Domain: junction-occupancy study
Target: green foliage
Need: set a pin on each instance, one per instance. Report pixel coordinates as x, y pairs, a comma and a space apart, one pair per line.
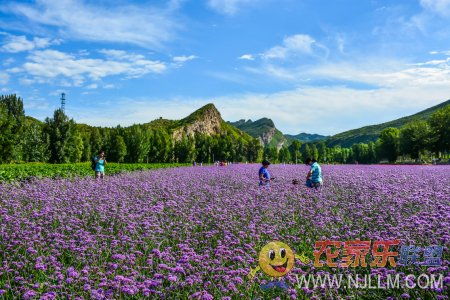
271, 154
118, 149
185, 149
137, 140
305, 150
389, 144
284, 155
294, 149
322, 152
12, 119
370, 133
75, 146
13, 172
7, 138
440, 130
254, 151
35, 142
415, 138
65, 144
96, 141
364, 153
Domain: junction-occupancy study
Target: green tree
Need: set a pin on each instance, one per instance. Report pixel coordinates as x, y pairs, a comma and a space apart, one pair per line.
184, 149
271, 154
294, 149
415, 138
360, 153
74, 146
306, 152
322, 152
314, 151
12, 121
59, 130
440, 129
35, 143
372, 153
389, 144
87, 152
96, 141
284, 155
118, 149
254, 151
7, 137
137, 141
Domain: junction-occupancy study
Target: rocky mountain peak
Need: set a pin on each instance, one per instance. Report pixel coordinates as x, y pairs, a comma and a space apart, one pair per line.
206, 120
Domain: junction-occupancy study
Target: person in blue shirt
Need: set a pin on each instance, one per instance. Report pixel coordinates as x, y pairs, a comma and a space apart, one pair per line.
314, 176
100, 162
264, 175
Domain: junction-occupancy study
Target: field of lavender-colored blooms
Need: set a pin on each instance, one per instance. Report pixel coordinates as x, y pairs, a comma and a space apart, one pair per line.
194, 232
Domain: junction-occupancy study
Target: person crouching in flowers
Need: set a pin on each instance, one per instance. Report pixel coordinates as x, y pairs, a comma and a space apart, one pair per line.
314, 176
264, 175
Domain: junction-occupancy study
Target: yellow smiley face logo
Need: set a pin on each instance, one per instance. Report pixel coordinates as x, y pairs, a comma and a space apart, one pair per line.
276, 259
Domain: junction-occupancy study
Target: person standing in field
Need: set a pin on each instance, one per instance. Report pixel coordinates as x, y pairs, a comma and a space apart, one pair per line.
314, 176
100, 162
264, 175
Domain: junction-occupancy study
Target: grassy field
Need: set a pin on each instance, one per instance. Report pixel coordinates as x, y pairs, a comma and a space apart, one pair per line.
13, 172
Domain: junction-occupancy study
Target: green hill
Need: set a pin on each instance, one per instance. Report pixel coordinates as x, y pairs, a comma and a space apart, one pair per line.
370, 133
263, 129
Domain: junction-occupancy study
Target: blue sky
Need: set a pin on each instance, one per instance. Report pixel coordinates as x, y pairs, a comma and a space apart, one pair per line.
316, 66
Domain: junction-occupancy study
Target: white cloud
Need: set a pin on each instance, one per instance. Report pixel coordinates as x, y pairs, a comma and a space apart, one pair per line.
141, 25
447, 53
92, 86
323, 110
229, 7
121, 55
389, 74
294, 45
247, 57
4, 78
440, 7
183, 58
109, 86
19, 43
8, 61
50, 64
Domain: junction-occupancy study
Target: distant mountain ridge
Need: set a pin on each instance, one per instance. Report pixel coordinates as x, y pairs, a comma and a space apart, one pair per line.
306, 137
263, 129
370, 133
207, 120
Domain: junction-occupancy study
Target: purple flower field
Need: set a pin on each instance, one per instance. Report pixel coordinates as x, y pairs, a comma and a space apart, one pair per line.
194, 232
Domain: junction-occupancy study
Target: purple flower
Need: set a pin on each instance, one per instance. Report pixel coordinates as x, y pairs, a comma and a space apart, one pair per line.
118, 256
29, 294
155, 234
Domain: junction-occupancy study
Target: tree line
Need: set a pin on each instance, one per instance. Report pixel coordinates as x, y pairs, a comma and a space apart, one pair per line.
60, 140
417, 140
